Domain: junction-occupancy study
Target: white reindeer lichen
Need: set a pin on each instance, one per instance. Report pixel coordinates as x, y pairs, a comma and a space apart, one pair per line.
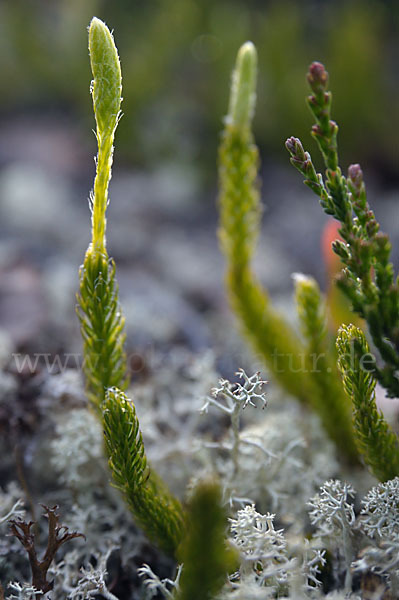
334, 518
380, 512
232, 399
263, 549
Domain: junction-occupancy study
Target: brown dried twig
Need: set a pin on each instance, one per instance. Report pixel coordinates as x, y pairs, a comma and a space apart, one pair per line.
57, 535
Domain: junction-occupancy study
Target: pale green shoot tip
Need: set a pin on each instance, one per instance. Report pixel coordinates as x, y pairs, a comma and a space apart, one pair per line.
106, 90
305, 287
107, 79
243, 89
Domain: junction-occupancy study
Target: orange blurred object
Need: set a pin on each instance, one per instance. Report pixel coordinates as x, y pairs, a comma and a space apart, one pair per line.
338, 306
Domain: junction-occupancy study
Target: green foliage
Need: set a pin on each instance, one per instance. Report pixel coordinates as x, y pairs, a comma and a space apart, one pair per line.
107, 82
106, 90
204, 552
102, 327
368, 277
102, 324
329, 399
242, 97
376, 441
306, 371
240, 211
311, 311
156, 510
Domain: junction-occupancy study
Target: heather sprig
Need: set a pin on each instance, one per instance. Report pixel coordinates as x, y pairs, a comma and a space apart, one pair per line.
376, 440
102, 323
368, 277
156, 510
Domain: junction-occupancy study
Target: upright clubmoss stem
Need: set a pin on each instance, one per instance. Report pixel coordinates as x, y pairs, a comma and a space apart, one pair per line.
102, 323
106, 90
243, 91
99, 198
271, 335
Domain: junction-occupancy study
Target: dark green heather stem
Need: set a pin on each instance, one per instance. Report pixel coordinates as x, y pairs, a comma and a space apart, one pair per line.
368, 278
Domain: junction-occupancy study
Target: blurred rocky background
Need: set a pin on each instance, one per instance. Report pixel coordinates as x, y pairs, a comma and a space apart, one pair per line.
176, 59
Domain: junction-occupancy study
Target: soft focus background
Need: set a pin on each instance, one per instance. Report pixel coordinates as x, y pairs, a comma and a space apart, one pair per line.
176, 59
